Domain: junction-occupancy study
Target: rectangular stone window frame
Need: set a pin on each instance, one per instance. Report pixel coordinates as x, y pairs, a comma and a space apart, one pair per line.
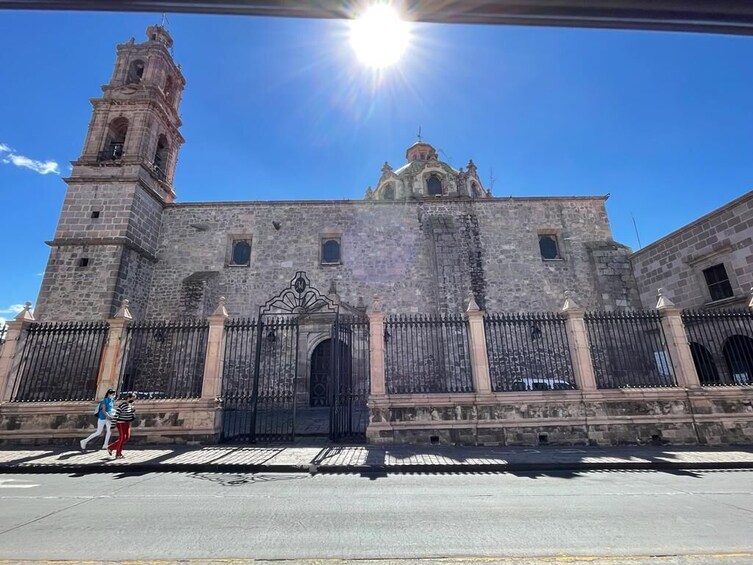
722, 286
721, 256
555, 233
231, 239
337, 236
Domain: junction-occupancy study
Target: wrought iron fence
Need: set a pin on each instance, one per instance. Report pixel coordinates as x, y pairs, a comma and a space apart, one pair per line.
60, 361
349, 413
528, 351
426, 354
263, 408
165, 359
238, 360
628, 350
274, 393
721, 342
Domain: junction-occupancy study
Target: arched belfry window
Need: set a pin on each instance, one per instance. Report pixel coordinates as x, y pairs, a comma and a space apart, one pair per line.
388, 192
115, 140
434, 186
135, 72
160, 156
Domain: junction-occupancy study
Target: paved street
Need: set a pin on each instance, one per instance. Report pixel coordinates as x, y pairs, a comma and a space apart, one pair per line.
624, 517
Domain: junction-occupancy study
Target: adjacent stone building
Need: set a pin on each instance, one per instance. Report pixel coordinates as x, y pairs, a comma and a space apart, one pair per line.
707, 263
425, 238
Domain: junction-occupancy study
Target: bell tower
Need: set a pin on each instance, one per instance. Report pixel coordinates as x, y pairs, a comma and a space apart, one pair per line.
105, 244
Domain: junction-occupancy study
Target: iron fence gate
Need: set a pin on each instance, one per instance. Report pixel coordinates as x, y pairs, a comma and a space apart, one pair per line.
260, 371
349, 380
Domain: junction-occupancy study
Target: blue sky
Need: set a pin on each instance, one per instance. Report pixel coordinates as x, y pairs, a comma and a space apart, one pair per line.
279, 109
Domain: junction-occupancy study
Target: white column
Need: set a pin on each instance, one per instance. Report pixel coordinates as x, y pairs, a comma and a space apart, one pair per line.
211, 386
376, 350
577, 337
482, 383
13, 348
677, 342
114, 353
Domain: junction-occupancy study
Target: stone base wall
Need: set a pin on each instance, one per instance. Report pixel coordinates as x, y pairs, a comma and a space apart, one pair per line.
158, 421
609, 417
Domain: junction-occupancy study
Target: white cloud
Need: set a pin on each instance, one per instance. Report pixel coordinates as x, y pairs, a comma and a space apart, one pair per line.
13, 309
9, 157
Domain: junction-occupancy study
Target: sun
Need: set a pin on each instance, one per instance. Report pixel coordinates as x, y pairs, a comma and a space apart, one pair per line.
379, 37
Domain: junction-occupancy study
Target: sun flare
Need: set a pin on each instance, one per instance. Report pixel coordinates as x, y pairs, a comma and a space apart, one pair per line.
379, 37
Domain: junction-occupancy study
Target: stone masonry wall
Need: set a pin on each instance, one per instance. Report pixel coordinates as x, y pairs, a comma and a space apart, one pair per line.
120, 245
416, 256
676, 262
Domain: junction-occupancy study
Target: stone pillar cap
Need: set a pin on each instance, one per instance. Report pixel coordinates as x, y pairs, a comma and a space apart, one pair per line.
25, 315
472, 304
123, 312
569, 304
375, 307
662, 302
221, 309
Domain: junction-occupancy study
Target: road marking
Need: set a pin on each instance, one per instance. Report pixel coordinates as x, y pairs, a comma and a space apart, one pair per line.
4, 483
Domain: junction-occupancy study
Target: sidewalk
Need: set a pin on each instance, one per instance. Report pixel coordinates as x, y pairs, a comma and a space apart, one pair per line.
373, 459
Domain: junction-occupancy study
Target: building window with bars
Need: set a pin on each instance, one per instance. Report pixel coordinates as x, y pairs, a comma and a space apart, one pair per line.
548, 247
330, 251
240, 255
717, 282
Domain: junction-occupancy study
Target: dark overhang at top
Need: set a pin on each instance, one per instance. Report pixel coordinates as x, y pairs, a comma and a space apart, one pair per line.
707, 16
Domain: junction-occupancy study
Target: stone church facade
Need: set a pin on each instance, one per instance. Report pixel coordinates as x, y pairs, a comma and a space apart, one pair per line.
429, 311
423, 240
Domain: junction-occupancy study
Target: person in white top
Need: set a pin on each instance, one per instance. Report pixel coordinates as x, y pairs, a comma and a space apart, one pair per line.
104, 420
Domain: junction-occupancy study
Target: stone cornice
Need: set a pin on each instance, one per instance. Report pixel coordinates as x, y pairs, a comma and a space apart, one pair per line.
95, 241
403, 203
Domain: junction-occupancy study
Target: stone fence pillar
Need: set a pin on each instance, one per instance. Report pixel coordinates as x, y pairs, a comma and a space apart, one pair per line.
677, 342
577, 337
211, 386
114, 351
14, 344
376, 350
482, 383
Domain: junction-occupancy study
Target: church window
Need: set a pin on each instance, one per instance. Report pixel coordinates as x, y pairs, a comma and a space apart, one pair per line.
135, 72
330, 251
83, 262
169, 90
389, 192
434, 186
241, 253
718, 283
115, 140
548, 246
160, 157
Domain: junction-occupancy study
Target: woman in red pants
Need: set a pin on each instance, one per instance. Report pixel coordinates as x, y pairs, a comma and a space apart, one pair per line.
124, 415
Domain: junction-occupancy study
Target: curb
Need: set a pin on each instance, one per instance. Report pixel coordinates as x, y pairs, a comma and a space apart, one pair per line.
97, 468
